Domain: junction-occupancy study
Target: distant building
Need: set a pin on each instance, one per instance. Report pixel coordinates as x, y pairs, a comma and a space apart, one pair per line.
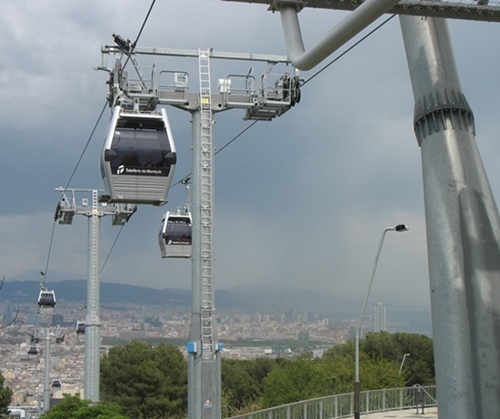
379, 318
278, 352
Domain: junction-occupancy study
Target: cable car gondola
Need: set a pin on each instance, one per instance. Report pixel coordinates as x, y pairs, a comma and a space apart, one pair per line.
33, 350
138, 158
175, 235
46, 301
80, 328
56, 383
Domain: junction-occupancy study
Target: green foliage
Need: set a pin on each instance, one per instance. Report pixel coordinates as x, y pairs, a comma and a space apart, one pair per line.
378, 374
418, 367
381, 345
243, 382
72, 407
338, 370
239, 387
147, 382
303, 378
5, 397
380, 359
300, 379
344, 351
151, 382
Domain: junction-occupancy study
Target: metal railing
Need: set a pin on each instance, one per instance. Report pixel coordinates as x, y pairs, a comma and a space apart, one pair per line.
342, 405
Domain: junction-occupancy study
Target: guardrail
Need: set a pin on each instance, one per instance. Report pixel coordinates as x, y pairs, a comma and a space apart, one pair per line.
342, 405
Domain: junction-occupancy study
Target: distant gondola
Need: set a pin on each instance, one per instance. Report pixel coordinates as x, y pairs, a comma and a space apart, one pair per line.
56, 383
46, 301
80, 328
138, 158
175, 235
33, 350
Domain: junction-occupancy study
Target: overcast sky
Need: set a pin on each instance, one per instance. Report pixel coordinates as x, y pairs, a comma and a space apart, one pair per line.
300, 201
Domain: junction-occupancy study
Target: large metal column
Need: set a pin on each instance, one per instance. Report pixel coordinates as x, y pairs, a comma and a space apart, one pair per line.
92, 320
194, 359
203, 355
204, 375
462, 229
65, 211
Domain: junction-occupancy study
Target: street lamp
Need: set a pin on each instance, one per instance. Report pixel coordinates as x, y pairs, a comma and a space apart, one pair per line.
398, 228
403, 362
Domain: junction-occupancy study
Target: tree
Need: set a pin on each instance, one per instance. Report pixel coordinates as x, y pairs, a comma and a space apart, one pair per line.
381, 345
238, 386
243, 381
5, 397
380, 356
374, 372
146, 381
379, 373
418, 367
338, 369
72, 407
300, 379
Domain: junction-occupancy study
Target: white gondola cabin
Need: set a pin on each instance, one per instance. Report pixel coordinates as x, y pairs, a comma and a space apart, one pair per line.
175, 236
46, 301
56, 383
138, 158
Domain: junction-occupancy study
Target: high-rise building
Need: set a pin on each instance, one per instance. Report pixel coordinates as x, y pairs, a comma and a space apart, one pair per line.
379, 318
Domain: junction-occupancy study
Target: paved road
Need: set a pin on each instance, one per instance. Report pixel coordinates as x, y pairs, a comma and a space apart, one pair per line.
431, 413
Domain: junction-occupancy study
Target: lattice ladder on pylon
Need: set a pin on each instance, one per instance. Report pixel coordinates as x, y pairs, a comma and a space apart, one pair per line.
207, 292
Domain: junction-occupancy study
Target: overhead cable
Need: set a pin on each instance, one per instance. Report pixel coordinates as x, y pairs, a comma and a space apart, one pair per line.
92, 134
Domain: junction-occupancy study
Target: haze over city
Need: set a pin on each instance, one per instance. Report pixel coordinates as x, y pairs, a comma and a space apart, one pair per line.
300, 201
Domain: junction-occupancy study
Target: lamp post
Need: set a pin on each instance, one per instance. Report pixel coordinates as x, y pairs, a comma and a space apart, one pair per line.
403, 362
398, 228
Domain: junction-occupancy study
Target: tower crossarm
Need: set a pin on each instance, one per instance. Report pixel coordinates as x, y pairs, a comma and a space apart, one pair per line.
481, 10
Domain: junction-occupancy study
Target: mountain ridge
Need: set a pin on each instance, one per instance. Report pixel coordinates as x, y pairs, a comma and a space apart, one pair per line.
249, 298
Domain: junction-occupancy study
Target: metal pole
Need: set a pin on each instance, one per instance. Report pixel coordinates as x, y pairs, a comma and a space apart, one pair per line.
39, 405
67, 208
366, 13
357, 384
46, 376
204, 373
92, 320
462, 229
194, 358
